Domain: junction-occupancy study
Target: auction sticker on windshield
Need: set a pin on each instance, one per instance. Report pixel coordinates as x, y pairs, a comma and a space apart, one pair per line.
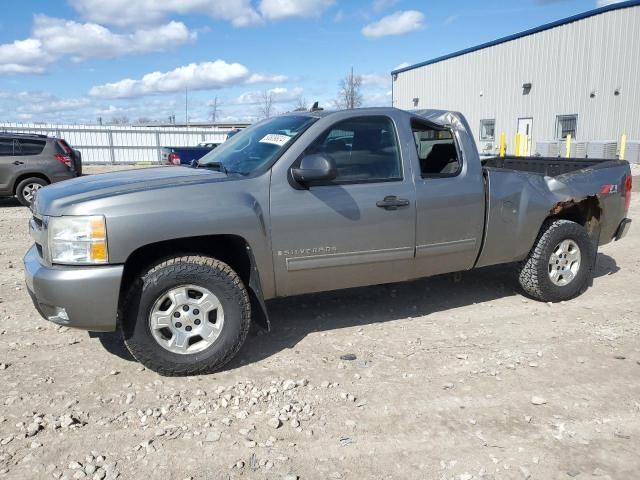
275, 139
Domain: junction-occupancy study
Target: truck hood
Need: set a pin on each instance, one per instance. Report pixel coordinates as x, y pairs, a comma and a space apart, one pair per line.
54, 199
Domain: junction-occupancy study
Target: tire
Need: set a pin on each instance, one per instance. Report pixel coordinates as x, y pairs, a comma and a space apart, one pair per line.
166, 282
27, 187
534, 272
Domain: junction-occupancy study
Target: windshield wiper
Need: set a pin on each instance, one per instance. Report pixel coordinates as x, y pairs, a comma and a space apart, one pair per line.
217, 165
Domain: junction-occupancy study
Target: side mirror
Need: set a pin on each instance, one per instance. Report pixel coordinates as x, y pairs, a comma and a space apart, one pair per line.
315, 168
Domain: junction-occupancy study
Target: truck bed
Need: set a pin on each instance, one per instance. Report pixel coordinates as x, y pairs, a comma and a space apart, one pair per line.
523, 191
548, 166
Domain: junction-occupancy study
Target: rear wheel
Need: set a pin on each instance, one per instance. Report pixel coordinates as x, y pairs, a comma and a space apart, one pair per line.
27, 188
560, 265
189, 316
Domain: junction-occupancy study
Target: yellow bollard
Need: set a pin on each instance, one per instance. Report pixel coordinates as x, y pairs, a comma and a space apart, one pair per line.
568, 146
502, 141
525, 148
517, 144
623, 146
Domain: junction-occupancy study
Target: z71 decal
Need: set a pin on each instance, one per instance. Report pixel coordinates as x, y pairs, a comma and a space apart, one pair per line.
609, 189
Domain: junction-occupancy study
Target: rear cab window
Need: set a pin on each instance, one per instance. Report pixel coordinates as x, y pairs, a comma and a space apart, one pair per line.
436, 150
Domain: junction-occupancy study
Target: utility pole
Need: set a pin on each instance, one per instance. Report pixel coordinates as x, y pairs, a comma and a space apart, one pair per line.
186, 106
214, 110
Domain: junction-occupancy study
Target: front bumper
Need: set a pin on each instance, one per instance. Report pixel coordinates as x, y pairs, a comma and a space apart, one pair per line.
623, 229
78, 297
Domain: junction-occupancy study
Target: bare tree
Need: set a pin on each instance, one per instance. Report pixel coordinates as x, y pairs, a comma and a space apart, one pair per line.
301, 104
265, 105
144, 121
349, 93
121, 120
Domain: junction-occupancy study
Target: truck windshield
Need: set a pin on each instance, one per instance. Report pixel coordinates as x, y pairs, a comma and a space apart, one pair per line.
256, 146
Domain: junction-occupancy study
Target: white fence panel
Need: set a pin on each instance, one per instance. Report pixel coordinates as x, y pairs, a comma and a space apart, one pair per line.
122, 144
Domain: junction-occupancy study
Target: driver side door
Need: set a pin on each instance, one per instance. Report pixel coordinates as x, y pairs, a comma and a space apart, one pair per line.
344, 233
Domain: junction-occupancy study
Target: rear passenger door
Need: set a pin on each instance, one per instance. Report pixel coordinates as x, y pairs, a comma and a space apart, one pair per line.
10, 164
347, 232
450, 202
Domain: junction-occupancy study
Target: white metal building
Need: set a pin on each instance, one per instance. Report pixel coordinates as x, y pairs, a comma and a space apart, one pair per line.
578, 76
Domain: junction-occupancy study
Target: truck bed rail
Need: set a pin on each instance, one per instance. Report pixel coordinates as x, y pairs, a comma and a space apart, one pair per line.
549, 166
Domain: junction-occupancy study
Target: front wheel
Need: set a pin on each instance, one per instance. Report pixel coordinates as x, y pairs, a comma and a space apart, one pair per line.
560, 265
189, 316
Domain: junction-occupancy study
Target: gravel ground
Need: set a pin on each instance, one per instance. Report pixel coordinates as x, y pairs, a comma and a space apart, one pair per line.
455, 377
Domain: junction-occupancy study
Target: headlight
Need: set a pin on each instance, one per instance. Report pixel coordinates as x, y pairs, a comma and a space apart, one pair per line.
81, 240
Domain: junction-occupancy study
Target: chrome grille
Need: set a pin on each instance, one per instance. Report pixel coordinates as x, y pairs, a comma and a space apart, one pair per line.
38, 232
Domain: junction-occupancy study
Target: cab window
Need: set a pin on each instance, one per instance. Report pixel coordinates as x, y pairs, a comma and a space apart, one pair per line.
364, 149
436, 150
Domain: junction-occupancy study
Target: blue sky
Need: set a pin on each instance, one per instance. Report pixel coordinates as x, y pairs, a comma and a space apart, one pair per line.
77, 60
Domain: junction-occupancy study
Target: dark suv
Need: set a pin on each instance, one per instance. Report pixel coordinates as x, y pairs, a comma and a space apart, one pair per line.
28, 162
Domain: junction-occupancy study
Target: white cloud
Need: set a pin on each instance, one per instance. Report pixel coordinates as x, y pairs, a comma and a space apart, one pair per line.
54, 38
277, 9
397, 23
110, 110
401, 65
604, 3
377, 79
280, 95
52, 104
376, 99
379, 5
195, 76
85, 40
23, 56
28, 103
144, 12
266, 78
42, 106
241, 13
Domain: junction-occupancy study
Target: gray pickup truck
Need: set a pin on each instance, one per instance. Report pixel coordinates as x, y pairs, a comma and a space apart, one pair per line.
182, 260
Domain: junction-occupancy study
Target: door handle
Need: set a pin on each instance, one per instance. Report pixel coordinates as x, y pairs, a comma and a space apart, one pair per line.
18, 162
392, 202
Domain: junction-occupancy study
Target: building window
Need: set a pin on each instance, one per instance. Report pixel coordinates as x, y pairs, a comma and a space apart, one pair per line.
567, 125
487, 129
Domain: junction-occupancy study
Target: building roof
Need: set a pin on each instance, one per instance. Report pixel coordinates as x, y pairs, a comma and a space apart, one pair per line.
541, 28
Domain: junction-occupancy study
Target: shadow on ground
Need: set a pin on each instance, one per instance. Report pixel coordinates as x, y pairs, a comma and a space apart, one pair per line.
292, 319
9, 202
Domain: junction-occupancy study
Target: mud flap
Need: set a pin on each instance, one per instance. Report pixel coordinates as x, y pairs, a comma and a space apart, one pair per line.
259, 312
